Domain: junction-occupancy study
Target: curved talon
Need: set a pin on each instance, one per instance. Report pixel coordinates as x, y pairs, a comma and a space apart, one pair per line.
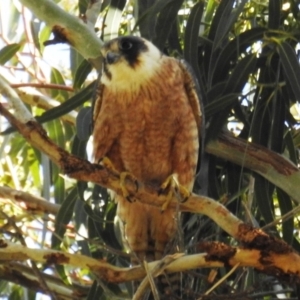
125, 192
107, 163
183, 192
171, 185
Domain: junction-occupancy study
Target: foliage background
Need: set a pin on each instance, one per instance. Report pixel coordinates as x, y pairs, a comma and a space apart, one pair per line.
245, 56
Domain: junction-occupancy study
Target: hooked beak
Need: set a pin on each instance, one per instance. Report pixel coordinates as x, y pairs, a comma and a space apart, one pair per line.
112, 57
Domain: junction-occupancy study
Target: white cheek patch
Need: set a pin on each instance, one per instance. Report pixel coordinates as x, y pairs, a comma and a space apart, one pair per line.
124, 76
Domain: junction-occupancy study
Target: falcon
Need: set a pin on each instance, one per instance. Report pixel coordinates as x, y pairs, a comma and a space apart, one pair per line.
147, 121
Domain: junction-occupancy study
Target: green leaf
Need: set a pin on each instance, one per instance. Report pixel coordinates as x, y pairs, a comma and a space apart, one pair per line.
81, 73
7, 52
151, 13
286, 206
291, 147
56, 133
165, 21
174, 42
16, 294
263, 195
13, 18
79, 149
290, 64
225, 16
222, 12
34, 165
230, 53
147, 26
191, 37
58, 111
274, 13
209, 11
234, 85
95, 291
35, 27
84, 123
229, 15
108, 234
120, 4
113, 19
220, 103
57, 78
44, 35
64, 108
82, 6
69, 105
277, 122
76, 60
240, 74
63, 218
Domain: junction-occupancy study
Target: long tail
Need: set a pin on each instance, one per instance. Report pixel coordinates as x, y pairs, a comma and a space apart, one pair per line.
149, 234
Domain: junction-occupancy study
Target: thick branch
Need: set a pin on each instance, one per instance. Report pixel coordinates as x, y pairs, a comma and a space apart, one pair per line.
35, 98
272, 166
78, 34
33, 203
23, 275
83, 170
284, 263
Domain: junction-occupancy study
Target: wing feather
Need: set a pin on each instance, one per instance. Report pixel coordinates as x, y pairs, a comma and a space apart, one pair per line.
193, 93
194, 97
98, 101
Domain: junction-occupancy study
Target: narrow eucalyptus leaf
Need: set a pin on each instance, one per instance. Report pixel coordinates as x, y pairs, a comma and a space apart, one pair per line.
230, 53
240, 74
84, 123
63, 218
274, 13
263, 194
152, 12
191, 37
291, 147
95, 291
7, 52
286, 206
220, 103
165, 21
81, 73
290, 64
57, 78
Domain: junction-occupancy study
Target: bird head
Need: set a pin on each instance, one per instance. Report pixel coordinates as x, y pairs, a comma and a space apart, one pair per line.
129, 61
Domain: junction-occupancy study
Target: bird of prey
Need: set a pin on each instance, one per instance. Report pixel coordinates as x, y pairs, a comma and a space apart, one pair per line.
147, 121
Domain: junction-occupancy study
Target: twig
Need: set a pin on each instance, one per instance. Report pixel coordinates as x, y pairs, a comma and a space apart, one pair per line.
43, 86
221, 280
36, 270
279, 253
32, 202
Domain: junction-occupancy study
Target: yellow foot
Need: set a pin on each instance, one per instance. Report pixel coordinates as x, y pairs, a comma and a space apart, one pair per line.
107, 163
123, 177
172, 185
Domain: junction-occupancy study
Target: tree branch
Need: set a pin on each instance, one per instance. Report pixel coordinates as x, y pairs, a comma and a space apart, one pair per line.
285, 265
23, 275
272, 166
81, 169
75, 32
32, 202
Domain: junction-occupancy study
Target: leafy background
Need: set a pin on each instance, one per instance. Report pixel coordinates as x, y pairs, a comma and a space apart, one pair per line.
245, 55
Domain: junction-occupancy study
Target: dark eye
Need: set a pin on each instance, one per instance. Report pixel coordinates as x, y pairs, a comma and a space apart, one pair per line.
125, 45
